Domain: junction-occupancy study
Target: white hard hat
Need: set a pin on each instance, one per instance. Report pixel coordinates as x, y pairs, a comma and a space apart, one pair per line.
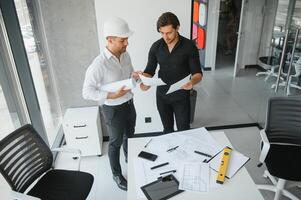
116, 27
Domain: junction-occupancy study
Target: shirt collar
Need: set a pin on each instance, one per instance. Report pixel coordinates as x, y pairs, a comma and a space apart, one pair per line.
176, 45
109, 55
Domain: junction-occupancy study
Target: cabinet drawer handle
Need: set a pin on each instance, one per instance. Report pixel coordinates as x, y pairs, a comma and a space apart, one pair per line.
79, 138
80, 126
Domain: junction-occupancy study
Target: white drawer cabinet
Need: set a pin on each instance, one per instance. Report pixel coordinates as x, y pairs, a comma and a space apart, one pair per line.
82, 129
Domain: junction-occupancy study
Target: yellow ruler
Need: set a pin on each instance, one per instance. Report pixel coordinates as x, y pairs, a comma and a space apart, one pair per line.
224, 165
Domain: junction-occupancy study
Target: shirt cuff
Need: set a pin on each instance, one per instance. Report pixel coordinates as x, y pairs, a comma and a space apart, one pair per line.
102, 97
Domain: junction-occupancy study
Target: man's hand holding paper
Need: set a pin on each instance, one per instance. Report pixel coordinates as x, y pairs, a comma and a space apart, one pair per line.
179, 85
114, 95
187, 86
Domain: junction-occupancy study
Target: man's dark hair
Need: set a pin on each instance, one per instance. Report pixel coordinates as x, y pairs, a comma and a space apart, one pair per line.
166, 19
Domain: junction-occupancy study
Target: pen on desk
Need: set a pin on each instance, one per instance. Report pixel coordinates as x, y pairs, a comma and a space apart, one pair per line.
148, 143
203, 154
171, 171
172, 149
161, 165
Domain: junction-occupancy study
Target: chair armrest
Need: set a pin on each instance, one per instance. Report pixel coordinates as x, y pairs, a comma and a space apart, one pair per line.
70, 150
265, 146
20, 196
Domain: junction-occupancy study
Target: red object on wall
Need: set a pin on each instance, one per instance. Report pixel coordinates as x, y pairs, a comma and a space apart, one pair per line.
196, 12
200, 42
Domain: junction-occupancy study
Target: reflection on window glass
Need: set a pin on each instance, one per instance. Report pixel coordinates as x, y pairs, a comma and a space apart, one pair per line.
41, 72
281, 15
8, 115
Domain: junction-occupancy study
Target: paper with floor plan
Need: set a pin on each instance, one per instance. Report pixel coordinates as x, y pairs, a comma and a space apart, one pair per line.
115, 86
178, 85
151, 81
194, 177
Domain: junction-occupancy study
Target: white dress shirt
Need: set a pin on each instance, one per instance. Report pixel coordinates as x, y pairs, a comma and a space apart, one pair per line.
106, 68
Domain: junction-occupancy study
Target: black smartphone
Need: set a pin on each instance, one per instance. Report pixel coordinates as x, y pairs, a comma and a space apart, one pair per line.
147, 155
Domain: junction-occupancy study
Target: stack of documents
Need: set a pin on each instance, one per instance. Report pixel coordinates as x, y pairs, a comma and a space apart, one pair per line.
194, 171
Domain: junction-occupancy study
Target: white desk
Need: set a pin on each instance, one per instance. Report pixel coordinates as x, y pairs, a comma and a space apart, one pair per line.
241, 186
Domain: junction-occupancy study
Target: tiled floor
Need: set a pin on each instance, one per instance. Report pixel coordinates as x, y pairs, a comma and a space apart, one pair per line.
224, 100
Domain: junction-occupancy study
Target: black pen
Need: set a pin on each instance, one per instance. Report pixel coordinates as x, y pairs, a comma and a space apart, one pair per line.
171, 171
172, 149
147, 143
203, 154
161, 165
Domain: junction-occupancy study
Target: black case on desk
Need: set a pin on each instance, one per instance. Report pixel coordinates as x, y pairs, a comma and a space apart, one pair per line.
164, 187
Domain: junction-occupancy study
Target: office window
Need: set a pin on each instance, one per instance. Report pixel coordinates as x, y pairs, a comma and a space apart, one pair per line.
13, 112
44, 83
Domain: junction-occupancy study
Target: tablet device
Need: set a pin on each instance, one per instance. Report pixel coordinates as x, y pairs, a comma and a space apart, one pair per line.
162, 189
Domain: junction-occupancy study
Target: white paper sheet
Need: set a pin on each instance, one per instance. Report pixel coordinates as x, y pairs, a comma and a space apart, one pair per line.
188, 142
115, 86
194, 177
177, 86
237, 161
151, 81
144, 175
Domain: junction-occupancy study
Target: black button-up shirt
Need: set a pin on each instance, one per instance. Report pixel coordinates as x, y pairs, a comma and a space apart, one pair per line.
175, 65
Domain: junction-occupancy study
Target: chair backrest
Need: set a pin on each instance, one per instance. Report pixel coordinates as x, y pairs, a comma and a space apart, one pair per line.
283, 126
283, 123
24, 157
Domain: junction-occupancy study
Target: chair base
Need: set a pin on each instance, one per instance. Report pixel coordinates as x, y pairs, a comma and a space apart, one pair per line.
293, 86
268, 73
278, 187
289, 85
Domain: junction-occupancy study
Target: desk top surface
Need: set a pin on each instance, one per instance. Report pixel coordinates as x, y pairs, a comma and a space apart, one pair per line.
241, 186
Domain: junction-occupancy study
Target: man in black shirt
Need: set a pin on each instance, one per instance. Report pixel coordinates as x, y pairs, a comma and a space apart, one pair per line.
177, 57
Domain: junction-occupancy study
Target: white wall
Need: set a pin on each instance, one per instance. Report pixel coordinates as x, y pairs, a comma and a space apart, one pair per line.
142, 16
70, 28
267, 32
253, 20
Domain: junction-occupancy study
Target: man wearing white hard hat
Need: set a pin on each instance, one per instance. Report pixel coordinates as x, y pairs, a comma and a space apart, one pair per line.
114, 64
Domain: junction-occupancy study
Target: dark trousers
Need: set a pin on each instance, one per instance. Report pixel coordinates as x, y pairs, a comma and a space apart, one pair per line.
121, 121
178, 107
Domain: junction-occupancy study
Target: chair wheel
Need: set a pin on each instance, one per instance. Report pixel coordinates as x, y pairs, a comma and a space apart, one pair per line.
75, 158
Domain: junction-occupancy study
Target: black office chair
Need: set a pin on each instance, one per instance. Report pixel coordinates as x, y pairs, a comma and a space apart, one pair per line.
281, 145
25, 157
